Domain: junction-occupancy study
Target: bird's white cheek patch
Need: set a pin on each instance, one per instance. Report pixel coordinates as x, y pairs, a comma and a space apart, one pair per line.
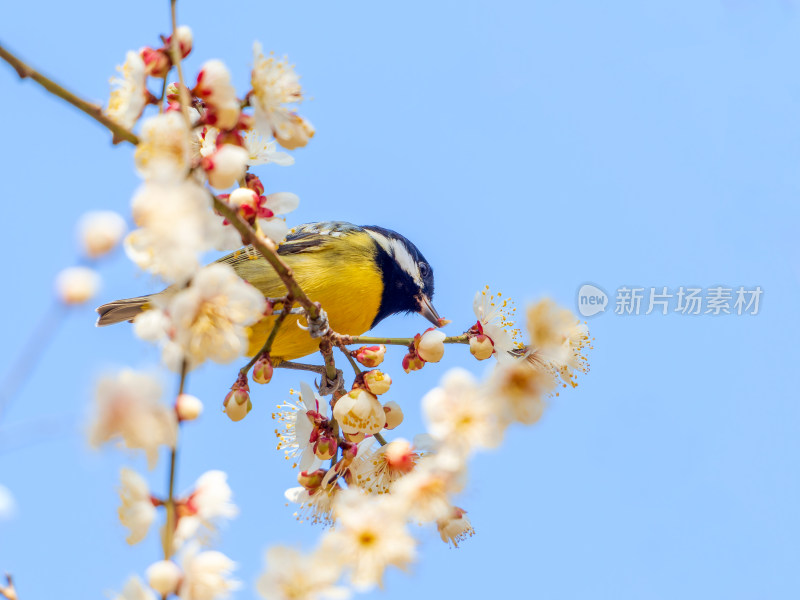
406, 261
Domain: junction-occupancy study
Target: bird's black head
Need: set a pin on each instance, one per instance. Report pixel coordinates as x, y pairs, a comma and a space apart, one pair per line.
407, 276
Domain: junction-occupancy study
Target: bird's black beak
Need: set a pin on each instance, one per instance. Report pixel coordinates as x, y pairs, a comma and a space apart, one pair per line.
426, 310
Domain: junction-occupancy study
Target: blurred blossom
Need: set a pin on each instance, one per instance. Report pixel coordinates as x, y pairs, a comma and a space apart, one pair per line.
200, 511
370, 535
455, 527
208, 320
459, 416
164, 577
8, 506
100, 231
165, 150
76, 285
292, 575
176, 224
135, 589
129, 95
206, 575
424, 493
128, 408
137, 511
519, 389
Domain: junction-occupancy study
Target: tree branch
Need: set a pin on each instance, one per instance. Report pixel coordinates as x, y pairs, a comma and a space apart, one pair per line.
94, 111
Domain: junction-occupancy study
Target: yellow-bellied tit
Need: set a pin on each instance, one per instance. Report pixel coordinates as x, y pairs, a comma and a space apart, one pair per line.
360, 276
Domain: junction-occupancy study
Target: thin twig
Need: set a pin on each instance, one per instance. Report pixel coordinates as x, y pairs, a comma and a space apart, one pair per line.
31, 352
352, 361
381, 440
175, 52
270, 254
348, 340
170, 503
94, 111
265, 350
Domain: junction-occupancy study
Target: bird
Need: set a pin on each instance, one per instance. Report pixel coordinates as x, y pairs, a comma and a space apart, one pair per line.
359, 274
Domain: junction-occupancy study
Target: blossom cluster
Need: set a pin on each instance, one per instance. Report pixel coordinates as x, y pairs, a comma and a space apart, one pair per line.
373, 489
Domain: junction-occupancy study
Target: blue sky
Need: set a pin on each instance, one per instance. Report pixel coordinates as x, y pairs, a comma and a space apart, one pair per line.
532, 146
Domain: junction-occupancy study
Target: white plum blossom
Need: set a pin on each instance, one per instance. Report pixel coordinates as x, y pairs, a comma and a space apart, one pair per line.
99, 232
134, 589
459, 416
204, 507
276, 85
137, 511
206, 575
495, 320
296, 430
76, 285
359, 412
129, 95
279, 203
176, 224
296, 576
262, 151
370, 535
208, 320
374, 471
128, 408
455, 527
225, 166
165, 151
316, 506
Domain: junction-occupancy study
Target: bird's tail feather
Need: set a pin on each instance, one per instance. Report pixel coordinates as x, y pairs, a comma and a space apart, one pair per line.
121, 310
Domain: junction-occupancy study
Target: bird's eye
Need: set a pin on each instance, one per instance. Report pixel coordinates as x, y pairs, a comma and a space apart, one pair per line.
424, 269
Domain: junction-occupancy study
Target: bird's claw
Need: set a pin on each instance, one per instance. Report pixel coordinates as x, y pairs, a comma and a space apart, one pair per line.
328, 386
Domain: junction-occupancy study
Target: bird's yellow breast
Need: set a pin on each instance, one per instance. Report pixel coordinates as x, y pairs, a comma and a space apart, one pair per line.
342, 277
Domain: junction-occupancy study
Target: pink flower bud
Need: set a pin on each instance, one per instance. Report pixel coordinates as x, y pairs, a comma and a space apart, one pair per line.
214, 83
185, 40
394, 414
370, 356
156, 62
412, 362
431, 345
311, 481
254, 183
377, 382
262, 370
237, 403
226, 166
325, 447
245, 199
481, 346
224, 116
349, 451
188, 407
